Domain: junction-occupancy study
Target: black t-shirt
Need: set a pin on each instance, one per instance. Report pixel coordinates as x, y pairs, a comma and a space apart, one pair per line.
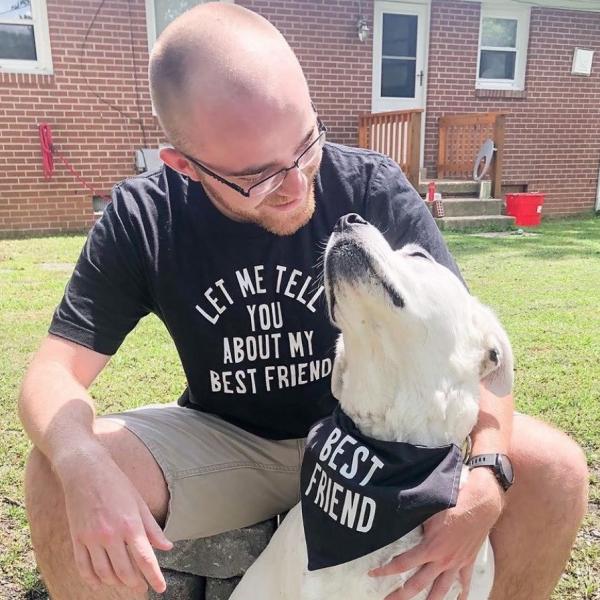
245, 307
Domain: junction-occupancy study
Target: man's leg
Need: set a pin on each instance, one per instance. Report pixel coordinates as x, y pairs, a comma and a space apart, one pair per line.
48, 522
212, 475
532, 540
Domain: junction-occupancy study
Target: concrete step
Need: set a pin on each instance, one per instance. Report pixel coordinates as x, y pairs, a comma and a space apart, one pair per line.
450, 187
480, 223
470, 207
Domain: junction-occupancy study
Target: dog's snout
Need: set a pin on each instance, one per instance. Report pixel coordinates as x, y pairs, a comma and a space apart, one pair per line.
347, 221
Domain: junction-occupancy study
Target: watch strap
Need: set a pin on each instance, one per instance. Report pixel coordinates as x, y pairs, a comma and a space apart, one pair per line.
483, 460
493, 461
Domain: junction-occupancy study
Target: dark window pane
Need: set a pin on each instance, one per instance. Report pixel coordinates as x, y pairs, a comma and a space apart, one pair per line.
17, 41
398, 78
399, 35
15, 9
499, 32
497, 64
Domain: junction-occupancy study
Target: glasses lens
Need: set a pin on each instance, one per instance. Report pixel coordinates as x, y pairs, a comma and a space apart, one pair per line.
312, 153
309, 157
267, 186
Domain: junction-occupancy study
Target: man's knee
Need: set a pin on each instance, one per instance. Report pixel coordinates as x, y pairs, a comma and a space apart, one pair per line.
128, 452
137, 462
40, 481
550, 465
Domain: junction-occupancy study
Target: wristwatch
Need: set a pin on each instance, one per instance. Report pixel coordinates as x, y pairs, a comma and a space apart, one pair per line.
500, 465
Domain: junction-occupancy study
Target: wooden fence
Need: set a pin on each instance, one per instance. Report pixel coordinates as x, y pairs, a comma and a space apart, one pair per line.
396, 134
461, 137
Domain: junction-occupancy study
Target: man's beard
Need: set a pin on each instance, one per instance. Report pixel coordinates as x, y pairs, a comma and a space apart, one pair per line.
269, 219
288, 224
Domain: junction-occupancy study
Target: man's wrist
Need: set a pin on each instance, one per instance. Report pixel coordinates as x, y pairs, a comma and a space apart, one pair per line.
487, 485
70, 463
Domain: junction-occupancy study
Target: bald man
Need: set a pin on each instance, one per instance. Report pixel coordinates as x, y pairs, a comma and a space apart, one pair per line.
223, 244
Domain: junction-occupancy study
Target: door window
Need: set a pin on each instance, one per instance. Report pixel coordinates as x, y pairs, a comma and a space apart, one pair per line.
399, 56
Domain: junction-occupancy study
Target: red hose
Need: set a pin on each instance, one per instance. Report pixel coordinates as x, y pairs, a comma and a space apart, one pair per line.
46, 145
48, 152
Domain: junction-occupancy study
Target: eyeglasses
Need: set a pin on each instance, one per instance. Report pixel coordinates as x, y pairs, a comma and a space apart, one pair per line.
270, 183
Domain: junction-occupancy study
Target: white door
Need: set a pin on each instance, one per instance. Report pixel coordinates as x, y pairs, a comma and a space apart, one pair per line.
399, 54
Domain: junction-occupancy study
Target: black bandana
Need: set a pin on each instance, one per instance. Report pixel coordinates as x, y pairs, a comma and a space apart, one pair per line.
360, 494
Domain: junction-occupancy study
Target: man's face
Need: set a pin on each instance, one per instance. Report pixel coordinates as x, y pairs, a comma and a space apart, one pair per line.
246, 150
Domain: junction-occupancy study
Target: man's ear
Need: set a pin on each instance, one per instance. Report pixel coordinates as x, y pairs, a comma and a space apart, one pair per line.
339, 369
496, 367
178, 162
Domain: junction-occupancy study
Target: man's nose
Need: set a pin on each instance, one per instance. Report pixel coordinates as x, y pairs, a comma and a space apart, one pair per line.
294, 184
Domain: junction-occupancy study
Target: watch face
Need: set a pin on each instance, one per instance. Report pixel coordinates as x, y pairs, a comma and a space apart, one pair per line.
506, 467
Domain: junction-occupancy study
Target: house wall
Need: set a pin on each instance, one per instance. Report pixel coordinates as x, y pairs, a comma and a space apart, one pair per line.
336, 64
552, 129
552, 141
100, 140
95, 138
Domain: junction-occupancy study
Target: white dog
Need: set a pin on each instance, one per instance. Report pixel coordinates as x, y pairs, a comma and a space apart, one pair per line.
414, 347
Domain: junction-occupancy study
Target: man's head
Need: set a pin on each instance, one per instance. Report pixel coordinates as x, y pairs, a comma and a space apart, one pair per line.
230, 94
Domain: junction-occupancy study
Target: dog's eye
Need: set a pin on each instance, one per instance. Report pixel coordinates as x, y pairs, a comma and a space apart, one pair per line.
421, 254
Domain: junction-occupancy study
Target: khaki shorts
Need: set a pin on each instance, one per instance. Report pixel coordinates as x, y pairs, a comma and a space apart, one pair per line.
220, 477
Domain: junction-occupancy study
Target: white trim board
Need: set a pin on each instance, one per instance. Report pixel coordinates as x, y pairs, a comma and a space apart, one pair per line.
417, 8
580, 5
43, 64
151, 20
521, 14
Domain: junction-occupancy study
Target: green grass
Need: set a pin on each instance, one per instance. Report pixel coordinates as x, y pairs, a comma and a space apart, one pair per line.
545, 288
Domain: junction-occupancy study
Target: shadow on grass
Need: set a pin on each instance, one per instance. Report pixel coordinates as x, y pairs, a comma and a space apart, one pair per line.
36, 592
553, 240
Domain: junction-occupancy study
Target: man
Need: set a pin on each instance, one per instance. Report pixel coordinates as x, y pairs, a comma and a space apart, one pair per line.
223, 246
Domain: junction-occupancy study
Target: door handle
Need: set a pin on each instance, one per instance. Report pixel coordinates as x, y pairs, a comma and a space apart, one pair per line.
420, 76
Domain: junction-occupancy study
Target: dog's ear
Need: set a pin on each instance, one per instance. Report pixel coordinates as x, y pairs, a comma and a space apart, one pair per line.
496, 367
339, 368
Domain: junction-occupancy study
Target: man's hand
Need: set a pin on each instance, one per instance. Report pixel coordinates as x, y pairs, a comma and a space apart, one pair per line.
112, 528
451, 541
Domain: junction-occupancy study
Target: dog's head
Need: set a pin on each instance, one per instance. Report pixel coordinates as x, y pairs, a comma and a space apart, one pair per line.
410, 329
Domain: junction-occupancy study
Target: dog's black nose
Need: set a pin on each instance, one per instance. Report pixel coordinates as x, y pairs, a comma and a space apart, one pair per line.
347, 221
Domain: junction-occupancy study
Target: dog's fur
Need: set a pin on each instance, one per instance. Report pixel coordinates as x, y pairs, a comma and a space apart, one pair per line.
414, 347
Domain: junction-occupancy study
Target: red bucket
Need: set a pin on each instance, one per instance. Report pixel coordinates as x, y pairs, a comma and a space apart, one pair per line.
526, 207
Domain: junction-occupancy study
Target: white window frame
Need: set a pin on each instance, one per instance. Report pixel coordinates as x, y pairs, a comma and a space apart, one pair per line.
151, 21
43, 64
521, 14
421, 9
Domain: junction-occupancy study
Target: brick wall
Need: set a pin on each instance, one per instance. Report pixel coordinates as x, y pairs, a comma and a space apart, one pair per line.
96, 139
337, 65
553, 135
553, 132
99, 141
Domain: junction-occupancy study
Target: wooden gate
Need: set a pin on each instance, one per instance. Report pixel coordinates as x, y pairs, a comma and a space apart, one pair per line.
460, 138
396, 134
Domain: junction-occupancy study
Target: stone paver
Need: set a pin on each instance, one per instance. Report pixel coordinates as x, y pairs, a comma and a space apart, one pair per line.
222, 556
180, 586
210, 568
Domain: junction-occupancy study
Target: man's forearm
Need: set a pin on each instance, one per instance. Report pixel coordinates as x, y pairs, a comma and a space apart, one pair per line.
491, 435
493, 430
57, 413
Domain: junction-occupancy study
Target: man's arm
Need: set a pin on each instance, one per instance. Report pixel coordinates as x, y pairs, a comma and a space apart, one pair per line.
54, 405
106, 514
453, 537
491, 435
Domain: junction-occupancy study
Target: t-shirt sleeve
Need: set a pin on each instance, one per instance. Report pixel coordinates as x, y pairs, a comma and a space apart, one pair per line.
107, 293
397, 210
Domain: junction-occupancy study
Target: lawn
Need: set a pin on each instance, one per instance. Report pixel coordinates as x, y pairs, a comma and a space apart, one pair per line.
545, 287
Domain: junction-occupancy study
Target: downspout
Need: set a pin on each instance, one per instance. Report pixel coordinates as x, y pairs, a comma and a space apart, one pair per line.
598, 193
